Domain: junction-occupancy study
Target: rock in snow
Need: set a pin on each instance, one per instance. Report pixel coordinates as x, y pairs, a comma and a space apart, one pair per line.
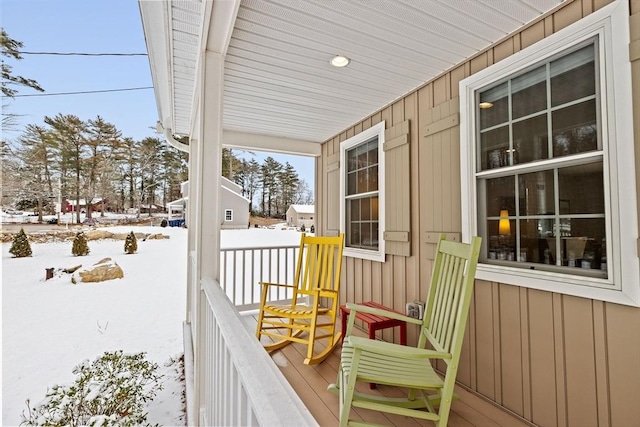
105, 269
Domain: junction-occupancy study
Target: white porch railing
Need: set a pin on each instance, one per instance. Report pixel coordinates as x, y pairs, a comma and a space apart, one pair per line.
241, 270
241, 384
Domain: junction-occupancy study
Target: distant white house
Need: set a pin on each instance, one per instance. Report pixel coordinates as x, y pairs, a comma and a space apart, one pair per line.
298, 215
235, 207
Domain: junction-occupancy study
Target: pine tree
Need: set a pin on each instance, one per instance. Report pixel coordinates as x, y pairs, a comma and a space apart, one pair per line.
131, 244
20, 246
80, 247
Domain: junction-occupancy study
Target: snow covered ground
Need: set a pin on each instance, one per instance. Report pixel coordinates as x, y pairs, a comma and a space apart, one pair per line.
48, 327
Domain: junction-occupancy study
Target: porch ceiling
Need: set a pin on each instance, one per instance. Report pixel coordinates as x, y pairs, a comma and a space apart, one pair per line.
278, 80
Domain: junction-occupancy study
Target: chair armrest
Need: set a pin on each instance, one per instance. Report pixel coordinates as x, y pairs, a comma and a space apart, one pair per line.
277, 284
385, 313
330, 293
392, 349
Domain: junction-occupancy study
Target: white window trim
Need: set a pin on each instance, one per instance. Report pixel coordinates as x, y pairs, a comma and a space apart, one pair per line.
376, 130
611, 23
226, 211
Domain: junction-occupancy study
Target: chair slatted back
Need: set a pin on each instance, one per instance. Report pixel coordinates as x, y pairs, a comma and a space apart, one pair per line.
450, 295
319, 263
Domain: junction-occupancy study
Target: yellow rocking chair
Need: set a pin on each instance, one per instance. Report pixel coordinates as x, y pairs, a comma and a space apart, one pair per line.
386, 363
317, 277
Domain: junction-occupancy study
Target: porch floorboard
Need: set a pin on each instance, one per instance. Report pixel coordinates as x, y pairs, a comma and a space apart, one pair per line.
310, 383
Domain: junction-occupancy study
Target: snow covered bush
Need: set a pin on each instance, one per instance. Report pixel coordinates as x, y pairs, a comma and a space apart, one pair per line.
131, 244
80, 247
20, 246
110, 391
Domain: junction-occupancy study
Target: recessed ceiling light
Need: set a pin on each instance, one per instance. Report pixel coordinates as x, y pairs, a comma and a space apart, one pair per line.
484, 105
340, 61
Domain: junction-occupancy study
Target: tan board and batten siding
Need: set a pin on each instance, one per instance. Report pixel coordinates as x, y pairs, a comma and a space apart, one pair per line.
553, 359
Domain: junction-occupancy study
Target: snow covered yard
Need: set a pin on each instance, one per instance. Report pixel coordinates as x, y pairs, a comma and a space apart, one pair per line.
48, 327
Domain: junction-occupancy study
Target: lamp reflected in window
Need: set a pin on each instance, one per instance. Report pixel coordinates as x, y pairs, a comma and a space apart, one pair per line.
504, 226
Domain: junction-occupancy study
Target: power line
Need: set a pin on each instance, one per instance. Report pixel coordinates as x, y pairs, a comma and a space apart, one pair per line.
84, 92
82, 54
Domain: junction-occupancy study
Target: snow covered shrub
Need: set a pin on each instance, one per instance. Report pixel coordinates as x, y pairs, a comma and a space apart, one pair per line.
20, 246
110, 391
131, 244
80, 247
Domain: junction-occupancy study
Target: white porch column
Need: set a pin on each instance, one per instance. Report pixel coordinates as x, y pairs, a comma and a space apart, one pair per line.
208, 156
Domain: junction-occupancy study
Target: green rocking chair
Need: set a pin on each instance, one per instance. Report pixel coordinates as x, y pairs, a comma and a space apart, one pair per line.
410, 368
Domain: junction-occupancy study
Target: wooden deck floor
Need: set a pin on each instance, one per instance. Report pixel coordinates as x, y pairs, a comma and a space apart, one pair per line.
310, 382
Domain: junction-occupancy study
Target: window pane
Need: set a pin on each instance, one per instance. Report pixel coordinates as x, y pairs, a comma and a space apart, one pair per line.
363, 181
530, 140
352, 161
494, 106
500, 196
529, 93
372, 179
575, 129
362, 174
362, 151
532, 246
581, 189
367, 239
494, 145
374, 208
501, 239
354, 233
583, 247
362, 226
366, 209
573, 76
354, 212
536, 193
352, 183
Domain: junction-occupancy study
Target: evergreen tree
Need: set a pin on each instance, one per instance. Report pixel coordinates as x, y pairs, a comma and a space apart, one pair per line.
131, 244
10, 48
38, 161
20, 246
80, 247
289, 181
248, 178
71, 132
269, 172
102, 136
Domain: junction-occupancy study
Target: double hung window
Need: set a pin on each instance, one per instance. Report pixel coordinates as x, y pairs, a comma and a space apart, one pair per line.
545, 139
362, 193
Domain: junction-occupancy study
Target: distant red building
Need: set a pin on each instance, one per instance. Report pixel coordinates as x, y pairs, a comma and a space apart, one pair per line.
73, 205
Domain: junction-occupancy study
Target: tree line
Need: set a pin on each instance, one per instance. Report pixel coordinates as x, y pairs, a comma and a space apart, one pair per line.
271, 187
67, 158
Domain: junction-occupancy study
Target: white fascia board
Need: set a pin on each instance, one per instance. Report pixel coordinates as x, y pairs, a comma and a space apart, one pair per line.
274, 144
156, 34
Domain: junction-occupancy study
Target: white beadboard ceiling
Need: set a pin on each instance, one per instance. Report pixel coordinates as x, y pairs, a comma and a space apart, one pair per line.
278, 80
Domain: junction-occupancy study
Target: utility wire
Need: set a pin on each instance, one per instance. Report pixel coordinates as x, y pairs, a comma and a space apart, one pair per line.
84, 92
82, 54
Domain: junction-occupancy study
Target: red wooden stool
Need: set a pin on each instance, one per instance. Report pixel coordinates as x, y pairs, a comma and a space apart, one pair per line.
374, 322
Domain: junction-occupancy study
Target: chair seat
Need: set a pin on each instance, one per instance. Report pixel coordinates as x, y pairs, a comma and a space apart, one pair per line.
297, 311
381, 368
